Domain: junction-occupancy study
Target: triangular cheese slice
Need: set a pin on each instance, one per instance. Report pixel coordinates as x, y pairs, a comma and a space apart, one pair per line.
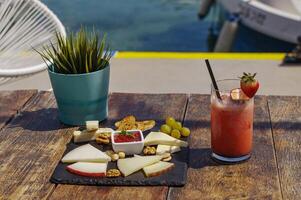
162, 148
88, 169
86, 153
155, 138
128, 166
158, 168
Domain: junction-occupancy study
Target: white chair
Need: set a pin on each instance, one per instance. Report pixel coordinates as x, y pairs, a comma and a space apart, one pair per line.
25, 25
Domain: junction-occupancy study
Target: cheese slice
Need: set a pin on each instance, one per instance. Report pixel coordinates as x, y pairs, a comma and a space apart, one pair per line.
83, 136
88, 169
92, 125
156, 138
128, 166
161, 149
158, 168
86, 153
86, 136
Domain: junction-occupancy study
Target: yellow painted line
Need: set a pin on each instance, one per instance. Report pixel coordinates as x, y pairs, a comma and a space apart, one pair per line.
199, 55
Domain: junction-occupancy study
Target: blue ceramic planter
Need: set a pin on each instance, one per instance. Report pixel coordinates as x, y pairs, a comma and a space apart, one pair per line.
81, 97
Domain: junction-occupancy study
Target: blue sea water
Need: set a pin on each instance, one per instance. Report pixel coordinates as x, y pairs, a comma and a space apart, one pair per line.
155, 25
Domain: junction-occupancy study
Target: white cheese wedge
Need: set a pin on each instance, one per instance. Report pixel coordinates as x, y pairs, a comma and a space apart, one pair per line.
86, 153
88, 169
128, 166
161, 149
83, 136
156, 138
158, 168
92, 125
86, 136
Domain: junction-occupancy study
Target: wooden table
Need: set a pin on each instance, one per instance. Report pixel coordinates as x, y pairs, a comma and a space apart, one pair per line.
32, 142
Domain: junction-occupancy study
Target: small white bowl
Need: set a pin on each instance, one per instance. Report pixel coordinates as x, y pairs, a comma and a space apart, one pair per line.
129, 148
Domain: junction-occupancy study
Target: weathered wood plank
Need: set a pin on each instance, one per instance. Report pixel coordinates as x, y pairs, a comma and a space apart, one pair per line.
286, 124
11, 102
143, 106
30, 146
255, 179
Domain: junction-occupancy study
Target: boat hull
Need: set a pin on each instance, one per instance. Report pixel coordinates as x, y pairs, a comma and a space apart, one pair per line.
266, 19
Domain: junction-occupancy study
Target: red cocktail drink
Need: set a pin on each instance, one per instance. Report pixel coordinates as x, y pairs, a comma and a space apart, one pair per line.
231, 123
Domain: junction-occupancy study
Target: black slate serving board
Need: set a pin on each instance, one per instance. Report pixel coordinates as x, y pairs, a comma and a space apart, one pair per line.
175, 177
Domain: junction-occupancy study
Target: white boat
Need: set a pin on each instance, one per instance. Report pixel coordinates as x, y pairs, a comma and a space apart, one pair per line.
280, 19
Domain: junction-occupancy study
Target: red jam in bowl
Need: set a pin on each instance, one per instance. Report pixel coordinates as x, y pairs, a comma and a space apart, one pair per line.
129, 137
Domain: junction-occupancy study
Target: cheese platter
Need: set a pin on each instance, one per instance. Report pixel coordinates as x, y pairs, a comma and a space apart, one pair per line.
134, 155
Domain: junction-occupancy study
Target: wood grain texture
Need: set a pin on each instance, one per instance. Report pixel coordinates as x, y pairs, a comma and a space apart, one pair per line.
286, 123
30, 147
255, 179
11, 102
143, 106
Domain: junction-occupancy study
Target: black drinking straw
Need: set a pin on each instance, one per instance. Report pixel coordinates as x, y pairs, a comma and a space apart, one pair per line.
213, 79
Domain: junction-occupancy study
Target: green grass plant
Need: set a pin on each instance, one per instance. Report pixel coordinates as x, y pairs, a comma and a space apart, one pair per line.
78, 53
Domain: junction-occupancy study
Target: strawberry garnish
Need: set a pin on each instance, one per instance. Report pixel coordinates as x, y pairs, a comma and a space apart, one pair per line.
249, 84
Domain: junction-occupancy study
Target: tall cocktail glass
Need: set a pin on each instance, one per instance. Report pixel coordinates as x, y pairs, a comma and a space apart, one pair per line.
231, 122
